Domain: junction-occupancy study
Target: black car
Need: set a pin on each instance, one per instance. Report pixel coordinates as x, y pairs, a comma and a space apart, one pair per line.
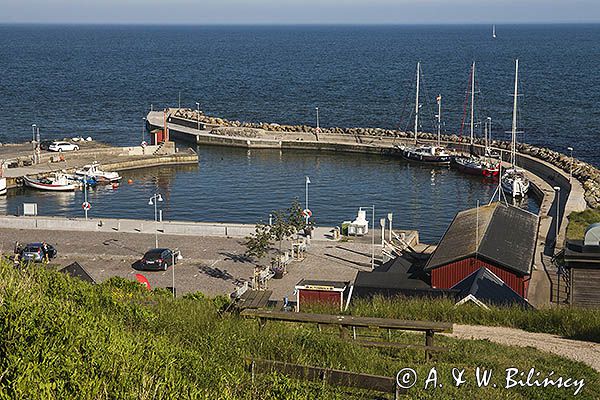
156, 259
37, 252
44, 144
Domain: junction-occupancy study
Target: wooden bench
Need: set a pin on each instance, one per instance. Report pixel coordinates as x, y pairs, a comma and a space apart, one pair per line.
347, 321
334, 377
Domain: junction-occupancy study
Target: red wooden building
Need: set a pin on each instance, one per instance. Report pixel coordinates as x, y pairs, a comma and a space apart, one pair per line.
321, 292
498, 237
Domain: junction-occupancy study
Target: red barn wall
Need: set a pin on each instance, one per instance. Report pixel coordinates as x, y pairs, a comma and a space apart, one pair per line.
320, 296
449, 275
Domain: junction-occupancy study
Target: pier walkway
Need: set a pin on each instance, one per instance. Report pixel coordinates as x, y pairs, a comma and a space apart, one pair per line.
17, 159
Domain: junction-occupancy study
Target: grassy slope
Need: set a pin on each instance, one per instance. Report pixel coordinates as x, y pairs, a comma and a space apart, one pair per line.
61, 338
579, 221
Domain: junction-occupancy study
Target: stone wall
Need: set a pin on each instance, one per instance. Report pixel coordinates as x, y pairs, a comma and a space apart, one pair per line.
586, 173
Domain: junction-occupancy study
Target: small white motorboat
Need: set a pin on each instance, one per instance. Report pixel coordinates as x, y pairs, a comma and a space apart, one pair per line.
93, 170
515, 183
2, 186
56, 182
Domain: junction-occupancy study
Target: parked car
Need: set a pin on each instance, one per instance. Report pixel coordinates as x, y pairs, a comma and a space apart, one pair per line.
63, 146
45, 144
156, 259
36, 252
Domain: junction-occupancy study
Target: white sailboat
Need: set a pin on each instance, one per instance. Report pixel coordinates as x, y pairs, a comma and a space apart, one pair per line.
435, 155
514, 181
473, 164
494, 31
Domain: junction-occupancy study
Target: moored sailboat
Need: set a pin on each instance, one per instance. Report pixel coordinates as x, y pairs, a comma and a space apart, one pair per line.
514, 181
430, 154
473, 164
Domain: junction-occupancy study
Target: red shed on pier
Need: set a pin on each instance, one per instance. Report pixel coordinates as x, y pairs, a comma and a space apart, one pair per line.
498, 237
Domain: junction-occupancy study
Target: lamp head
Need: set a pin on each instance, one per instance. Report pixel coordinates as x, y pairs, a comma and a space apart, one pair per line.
150, 203
557, 188
570, 148
159, 198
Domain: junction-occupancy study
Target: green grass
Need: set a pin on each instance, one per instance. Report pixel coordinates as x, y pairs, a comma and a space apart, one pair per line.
572, 323
579, 222
61, 338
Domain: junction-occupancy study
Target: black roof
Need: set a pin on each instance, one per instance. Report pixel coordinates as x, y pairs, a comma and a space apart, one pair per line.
334, 284
500, 234
396, 277
580, 255
77, 271
488, 288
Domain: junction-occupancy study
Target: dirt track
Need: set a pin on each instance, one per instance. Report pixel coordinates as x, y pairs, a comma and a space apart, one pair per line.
585, 352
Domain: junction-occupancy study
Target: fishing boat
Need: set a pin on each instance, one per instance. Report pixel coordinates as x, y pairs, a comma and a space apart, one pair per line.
57, 182
514, 181
93, 170
475, 164
430, 154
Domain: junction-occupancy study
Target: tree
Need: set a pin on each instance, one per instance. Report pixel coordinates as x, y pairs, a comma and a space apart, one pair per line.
285, 224
257, 244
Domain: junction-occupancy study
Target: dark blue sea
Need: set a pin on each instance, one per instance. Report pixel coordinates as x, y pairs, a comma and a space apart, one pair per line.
100, 81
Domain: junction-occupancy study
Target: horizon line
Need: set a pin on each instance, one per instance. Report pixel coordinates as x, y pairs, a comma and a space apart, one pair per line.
291, 24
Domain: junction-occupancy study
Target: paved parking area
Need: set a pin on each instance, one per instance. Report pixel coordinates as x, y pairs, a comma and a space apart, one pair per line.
211, 265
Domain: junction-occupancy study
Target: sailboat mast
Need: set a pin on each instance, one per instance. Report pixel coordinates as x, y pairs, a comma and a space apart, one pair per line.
439, 119
513, 148
472, 101
417, 101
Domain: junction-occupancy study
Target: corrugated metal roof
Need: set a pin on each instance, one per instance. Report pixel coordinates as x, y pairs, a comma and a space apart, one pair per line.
505, 235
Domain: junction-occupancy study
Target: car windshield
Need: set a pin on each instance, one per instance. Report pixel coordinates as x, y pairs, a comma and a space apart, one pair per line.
152, 255
32, 249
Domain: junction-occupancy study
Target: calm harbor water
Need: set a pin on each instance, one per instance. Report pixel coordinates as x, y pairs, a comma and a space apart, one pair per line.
235, 185
100, 81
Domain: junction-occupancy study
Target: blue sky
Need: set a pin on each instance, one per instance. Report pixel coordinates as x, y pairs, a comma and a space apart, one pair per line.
298, 11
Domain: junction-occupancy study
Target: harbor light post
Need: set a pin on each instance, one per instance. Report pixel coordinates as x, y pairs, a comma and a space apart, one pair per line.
570, 163
389, 216
317, 110
33, 129
557, 191
372, 236
198, 115
143, 130
179, 257
154, 202
306, 212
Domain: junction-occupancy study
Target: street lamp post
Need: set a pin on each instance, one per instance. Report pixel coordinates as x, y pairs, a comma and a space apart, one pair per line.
198, 114
143, 129
570, 163
153, 202
557, 190
33, 129
179, 257
317, 109
307, 182
372, 236
85, 195
389, 216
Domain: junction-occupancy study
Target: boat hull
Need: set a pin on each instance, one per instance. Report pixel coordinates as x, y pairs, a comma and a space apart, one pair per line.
516, 188
426, 159
475, 168
48, 186
3, 186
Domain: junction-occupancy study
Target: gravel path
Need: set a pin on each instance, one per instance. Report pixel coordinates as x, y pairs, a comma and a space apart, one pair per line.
585, 352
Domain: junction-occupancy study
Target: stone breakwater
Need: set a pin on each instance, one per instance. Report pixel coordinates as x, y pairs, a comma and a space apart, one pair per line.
587, 174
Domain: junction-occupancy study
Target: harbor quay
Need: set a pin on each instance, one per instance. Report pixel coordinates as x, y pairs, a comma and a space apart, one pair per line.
19, 160
213, 254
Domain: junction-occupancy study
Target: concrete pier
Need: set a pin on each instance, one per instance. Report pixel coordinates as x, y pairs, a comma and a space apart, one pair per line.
17, 159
